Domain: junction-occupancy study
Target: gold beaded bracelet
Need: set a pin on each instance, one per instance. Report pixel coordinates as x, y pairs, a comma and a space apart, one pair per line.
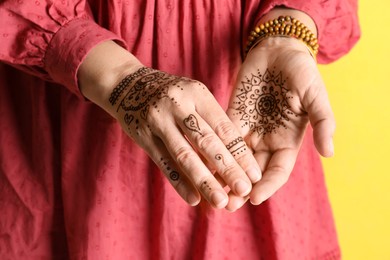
284, 26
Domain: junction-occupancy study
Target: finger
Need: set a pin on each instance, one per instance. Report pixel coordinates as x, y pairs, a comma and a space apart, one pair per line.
220, 180
204, 139
275, 175
263, 157
235, 202
322, 120
168, 166
192, 166
224, 128
214, 172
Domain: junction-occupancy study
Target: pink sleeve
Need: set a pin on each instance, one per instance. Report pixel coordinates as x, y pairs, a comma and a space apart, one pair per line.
49, 39
336, 20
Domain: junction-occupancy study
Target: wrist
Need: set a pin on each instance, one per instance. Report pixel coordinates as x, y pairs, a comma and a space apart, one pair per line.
285, 26
282, 46
284, 11
103, 68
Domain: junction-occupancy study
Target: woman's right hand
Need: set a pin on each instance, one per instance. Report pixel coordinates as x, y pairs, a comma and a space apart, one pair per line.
181, 126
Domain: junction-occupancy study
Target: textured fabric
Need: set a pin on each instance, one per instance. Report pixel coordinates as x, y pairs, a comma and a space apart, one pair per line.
73, 185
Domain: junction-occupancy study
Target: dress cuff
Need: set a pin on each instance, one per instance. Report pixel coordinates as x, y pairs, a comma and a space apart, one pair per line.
69, 47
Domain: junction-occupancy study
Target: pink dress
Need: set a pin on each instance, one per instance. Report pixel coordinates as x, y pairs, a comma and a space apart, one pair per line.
73, 185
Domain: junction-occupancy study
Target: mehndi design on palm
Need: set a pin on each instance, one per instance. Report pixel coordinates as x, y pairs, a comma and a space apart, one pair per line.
262, 102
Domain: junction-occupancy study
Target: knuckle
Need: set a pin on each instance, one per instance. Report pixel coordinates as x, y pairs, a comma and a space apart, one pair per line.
153, 116
225, 129
184, 155
194, 86
206, 141
194, 83
228, 171
175, 92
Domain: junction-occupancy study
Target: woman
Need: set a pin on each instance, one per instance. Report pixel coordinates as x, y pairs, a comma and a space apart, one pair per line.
74, 185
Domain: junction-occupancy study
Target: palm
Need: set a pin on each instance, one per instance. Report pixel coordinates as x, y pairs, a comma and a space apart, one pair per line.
271, 105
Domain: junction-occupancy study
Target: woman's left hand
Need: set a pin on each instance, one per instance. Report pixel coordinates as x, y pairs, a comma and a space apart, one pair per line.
278, 91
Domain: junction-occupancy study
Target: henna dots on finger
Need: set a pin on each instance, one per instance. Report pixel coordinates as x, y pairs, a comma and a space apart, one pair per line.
173, 175
206, 186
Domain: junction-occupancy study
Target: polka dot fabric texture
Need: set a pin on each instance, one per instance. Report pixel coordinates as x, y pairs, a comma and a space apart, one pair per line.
74, 186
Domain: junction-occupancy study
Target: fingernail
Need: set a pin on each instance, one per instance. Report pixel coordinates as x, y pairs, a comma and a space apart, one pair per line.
242, 188
254, 174
219, 199
192, 199
235, 203
231, 210
255, 203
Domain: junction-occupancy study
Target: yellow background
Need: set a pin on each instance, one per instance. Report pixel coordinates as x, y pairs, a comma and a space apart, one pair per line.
358, 176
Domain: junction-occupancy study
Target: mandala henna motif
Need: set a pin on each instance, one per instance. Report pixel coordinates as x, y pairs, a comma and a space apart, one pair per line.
262, 103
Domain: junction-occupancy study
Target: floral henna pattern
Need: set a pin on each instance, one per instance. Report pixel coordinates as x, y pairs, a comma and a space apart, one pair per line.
141, 91
153, 86
262, 103
124, 84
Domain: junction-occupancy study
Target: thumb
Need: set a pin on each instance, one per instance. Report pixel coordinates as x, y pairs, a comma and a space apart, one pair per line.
321, 119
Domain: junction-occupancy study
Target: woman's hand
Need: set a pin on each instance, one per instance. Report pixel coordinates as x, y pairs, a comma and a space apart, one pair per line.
278, 91
177, 122
175, 118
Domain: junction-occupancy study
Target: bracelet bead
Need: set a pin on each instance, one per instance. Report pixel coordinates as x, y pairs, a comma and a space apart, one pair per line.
284, 26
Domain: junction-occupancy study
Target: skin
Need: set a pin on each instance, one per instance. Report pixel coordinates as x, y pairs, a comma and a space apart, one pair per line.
172, 124
203, 154
305, 101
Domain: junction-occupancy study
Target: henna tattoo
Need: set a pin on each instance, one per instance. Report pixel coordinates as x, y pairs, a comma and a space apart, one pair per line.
263, 103
173, 175
206, 185
191, 122
128, 119
141, 91
219, 157
153, 85
236, 146
120, 88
